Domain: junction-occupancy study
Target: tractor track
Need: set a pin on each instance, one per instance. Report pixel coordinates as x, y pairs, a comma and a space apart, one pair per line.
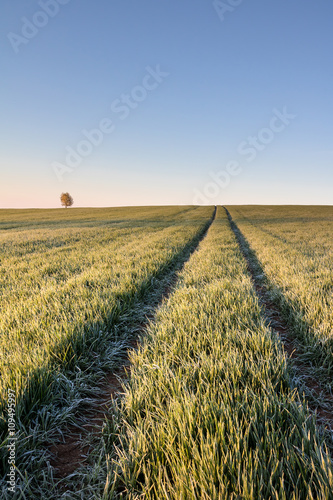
322, 401
73, 452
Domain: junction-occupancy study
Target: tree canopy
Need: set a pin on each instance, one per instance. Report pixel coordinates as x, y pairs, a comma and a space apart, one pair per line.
66, 200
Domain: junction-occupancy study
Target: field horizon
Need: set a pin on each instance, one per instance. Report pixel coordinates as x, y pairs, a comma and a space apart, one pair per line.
33, 209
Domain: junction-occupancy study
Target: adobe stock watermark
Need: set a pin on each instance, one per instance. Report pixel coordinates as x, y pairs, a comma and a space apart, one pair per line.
122, 108
11, 402
30, 27
225, 7
248, 149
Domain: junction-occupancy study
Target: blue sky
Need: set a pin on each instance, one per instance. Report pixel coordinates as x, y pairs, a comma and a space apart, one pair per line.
196, 101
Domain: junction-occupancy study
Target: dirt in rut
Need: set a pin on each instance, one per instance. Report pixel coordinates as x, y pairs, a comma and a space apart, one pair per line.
72, 453
324, 409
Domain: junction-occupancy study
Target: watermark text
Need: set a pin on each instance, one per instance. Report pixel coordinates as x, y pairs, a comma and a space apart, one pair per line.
122, 108
248, 149
11, 402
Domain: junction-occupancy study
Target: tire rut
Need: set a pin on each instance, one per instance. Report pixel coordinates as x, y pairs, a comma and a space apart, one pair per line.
73, 452
321, 402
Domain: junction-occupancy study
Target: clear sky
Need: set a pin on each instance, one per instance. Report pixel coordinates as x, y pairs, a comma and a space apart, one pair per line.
128, 102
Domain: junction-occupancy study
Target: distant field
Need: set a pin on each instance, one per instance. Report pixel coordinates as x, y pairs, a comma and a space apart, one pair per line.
81, 217
212, 409
294, 246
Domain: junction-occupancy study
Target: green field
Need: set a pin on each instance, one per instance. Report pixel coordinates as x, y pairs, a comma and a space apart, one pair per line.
212, 408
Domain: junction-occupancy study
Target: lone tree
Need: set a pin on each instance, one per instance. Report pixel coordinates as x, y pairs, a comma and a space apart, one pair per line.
66, 200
